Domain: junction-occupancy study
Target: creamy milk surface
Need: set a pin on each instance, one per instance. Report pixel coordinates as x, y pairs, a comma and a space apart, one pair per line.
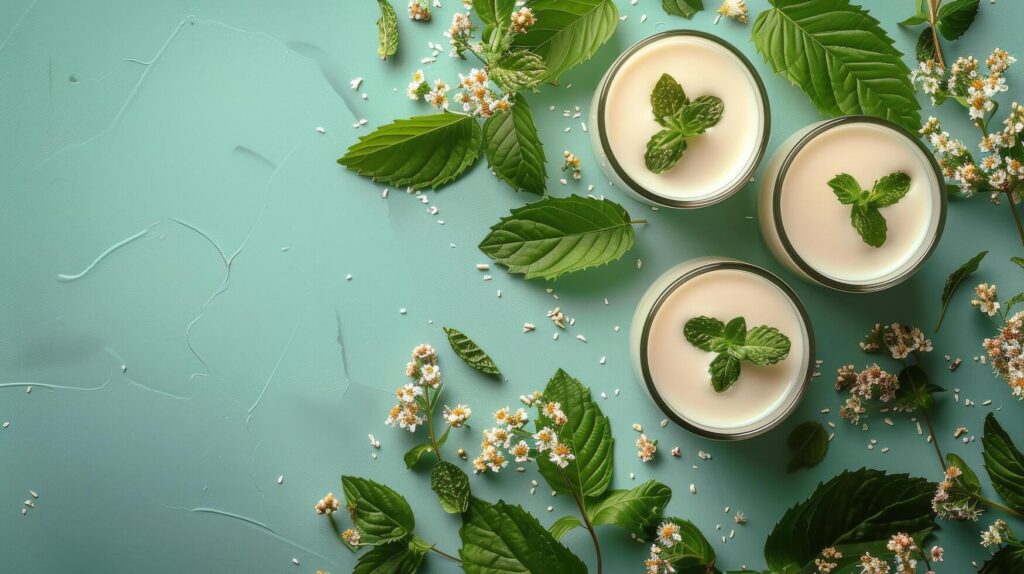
714, 160
819, 227
679, 370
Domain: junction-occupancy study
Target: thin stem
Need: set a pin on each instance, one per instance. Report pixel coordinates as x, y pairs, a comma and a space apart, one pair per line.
445, 554
933, 8
995, 505
430, 423
934, 441
586, 519
638, 222
1016, 216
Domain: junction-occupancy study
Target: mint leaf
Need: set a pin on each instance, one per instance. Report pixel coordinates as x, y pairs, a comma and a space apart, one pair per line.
855, 512
664, 150
568, 32
505, 539
954, 18
1006, 560
702, 331
915, 390
954, 280
495, 15
725, 370
635, 510
667, 98
379, 512
765, 345
470, 352
413, 456
840, 56
394, 558
514, 150
420, 152
889, 189
516, 71
587, 432
684, 8
915, 20
870, 224
387, 30
555, 236
808, 444
1013, 301
1004, 463
734, 335
451, 485
846, 188
702, 113
563, 526
693, 554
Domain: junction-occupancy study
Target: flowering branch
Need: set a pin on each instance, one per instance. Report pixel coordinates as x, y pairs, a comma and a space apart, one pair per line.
933, 10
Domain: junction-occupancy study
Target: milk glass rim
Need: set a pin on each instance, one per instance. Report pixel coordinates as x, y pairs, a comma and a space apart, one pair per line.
780, 228
793, 398
758, 155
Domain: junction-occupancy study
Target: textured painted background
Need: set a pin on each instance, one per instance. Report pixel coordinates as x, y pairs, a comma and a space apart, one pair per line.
179, 376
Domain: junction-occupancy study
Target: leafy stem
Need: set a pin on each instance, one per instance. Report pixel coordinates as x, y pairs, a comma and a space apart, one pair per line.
586, 519
933, 10
997, 506
435, 550
431, 403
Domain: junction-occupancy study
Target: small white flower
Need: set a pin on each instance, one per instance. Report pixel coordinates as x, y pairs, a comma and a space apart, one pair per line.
561, 455
669, 534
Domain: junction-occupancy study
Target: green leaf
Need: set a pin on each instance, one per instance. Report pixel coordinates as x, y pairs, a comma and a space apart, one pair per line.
889, 189
470, 352
555, 236
516, 71
725, 370
765, 345
420, 152
915, 20
1006, 560
563, 526
514, 150
684, 8
1015, 300
394, 558
856, 512
1004, 463
635, 509
840, 57
701, 114
693, 551
925, 48
954, 280
808, 444
1018, 260
667, 98
664, 150
495, 14
915, 389
587, 432
387, 30
413, 456
954, 18
734, 334
846, 188
379, 512
505, 539
968, 479
451, 485
870, 224
567, 33
703, 331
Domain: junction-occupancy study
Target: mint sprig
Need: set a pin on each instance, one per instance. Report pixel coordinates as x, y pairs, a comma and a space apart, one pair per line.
865, 215
680, 118
762, 345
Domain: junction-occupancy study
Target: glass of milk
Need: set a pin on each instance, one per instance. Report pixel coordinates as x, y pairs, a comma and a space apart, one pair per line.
717, 163
809, 230
675, 373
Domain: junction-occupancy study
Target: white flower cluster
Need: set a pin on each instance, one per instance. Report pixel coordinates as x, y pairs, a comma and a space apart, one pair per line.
498, 440
435, 94
479, 99
996, 534
419, 11
986, 299
409, 412
949, 501
460, 33
1006, 353
329, 504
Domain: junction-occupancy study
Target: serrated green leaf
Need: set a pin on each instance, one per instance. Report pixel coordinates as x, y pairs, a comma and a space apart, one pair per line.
667, 98
563, 526
664, 150
514, 150
869, 224
394, 558
635, 510
451, 485
808, 444
856, 512
470, 352
554, 236
1007, 560
915, 20
380, 513
846, 189
495, 14
702, 332
734, 334
684, 8
387, 31
567, 33
415, 454
955, 17
701, 114
840, 57
587, 432
1004, 463
505, 539
924, 50
725, 371
765, 345
517, 70
889, 189
420, 152
954, 280
691, 554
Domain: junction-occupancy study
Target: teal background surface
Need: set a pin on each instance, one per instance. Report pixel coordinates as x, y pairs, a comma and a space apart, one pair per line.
222, 347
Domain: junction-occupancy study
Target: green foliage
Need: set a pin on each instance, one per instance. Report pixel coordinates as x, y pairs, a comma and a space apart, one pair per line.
865, 214
568, 33
955, 279
451, 485
635, 510
514, 150
762, 345
393, 558
387, 30
680, 119
808, 444
684, 8
380, 513
415, 454
470, 352
1004, 463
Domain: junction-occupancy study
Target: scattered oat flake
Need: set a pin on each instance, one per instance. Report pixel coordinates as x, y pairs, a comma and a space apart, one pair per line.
527, 327
676, 452
280, 480
603, 360
888, 421
643, 18
320, 130
355, 83
616, 392
637, 427
483, 267
581, 338
664, 423
295, 561
955, 364
693, 488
